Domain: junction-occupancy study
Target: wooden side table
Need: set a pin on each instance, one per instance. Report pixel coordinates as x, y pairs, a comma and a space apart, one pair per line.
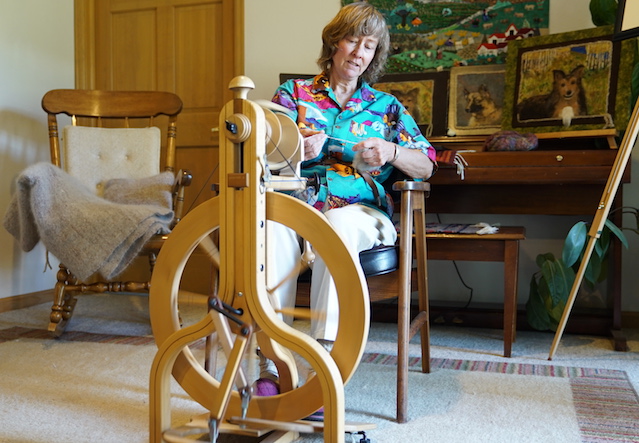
500, 247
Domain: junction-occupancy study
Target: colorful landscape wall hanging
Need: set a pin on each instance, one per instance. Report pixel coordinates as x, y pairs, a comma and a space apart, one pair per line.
427, 35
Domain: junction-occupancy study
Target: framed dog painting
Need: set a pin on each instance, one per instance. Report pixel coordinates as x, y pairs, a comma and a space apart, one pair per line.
424, 95
476, 99
568, 82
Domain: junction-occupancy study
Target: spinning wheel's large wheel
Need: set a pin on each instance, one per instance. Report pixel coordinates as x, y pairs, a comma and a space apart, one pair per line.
353, 307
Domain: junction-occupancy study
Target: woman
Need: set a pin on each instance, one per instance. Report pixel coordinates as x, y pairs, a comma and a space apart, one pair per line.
354, 137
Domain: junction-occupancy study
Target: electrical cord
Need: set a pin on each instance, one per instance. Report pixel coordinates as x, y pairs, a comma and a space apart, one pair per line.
455, 319
463, 282
461, 279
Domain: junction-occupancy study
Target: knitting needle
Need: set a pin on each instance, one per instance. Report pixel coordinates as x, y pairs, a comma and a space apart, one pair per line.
342, 140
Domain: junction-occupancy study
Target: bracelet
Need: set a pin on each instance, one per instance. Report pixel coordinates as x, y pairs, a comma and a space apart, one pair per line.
396, 155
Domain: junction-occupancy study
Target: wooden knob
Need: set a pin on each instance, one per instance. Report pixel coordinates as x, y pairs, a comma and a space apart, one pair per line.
238, 128
241, 85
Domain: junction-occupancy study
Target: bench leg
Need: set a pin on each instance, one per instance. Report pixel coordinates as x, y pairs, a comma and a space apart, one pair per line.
511, 266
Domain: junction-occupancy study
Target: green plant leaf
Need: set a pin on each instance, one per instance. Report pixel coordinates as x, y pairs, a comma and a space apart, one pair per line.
603, 12
555, 315
574, 243
544, 293
541, 258
593, 270
603, 242
536, 313
603, 274
559, 279
618, 232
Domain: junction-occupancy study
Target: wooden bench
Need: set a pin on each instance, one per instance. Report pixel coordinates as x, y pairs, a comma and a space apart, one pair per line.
500, 247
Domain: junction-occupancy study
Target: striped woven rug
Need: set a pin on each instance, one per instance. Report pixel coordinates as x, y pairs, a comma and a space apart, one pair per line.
606, 404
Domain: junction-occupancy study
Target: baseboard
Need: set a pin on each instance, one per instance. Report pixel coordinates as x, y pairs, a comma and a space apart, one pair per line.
630, 320
25, 300
490, 315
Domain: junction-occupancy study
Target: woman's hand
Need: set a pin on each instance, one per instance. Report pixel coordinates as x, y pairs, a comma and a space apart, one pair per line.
375, 152
313, 143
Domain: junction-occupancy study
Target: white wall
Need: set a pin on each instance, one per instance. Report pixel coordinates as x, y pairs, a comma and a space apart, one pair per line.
274, 46
36, 49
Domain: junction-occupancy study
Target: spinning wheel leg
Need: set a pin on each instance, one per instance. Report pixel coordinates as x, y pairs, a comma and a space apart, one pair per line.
165, 358
174, 339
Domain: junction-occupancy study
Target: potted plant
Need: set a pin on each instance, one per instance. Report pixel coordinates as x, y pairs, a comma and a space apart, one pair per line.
550, 286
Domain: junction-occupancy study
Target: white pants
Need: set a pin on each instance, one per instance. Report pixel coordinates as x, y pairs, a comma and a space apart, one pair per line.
361, 228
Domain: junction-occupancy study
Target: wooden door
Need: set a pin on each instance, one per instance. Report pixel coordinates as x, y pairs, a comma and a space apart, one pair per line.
190, 47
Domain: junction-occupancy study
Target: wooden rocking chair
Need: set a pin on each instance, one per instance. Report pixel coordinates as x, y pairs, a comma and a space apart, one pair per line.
109, 119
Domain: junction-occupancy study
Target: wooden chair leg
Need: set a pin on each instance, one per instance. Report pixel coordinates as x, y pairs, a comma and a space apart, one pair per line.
403, 314
413, 219
63, 304
422, 321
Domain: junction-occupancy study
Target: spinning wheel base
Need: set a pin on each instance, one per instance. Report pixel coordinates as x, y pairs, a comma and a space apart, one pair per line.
278, 431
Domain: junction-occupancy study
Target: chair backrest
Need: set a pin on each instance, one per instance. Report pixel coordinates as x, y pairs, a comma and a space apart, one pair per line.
114, 134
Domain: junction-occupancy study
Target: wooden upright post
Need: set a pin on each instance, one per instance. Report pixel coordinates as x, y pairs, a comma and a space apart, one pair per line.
601, 214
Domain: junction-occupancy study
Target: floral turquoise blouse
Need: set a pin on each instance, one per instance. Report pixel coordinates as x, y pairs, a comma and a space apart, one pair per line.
369, 113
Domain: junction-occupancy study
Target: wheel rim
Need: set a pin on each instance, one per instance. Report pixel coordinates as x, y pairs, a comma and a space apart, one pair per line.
349, 281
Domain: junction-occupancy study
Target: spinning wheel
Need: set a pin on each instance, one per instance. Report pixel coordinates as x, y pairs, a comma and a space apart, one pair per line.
237, 218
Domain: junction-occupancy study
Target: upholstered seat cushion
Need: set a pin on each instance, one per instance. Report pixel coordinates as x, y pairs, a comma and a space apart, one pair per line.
379, 260
96, 155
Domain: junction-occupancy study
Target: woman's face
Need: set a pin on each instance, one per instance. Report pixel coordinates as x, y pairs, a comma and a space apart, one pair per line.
352, 57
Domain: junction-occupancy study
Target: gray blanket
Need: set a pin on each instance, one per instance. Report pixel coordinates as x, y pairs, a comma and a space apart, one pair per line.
87, 233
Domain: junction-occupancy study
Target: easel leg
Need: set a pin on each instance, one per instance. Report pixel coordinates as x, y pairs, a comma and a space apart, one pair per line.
601, 214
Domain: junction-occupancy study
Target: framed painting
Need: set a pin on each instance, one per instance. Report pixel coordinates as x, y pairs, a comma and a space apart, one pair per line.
285, 76
568, 82
424, 95
627, 23
476, 99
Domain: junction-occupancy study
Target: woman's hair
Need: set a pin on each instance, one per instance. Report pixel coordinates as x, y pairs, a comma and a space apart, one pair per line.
356, 20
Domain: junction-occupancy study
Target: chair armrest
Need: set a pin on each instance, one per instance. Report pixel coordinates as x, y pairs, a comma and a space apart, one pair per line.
183, 178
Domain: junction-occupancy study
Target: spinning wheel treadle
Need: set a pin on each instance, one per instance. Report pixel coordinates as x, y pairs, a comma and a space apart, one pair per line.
237, 217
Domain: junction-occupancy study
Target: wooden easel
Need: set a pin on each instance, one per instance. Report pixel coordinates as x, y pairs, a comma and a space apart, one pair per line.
601, 214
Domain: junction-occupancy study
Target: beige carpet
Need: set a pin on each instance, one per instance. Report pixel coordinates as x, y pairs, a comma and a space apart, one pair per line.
92, 385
